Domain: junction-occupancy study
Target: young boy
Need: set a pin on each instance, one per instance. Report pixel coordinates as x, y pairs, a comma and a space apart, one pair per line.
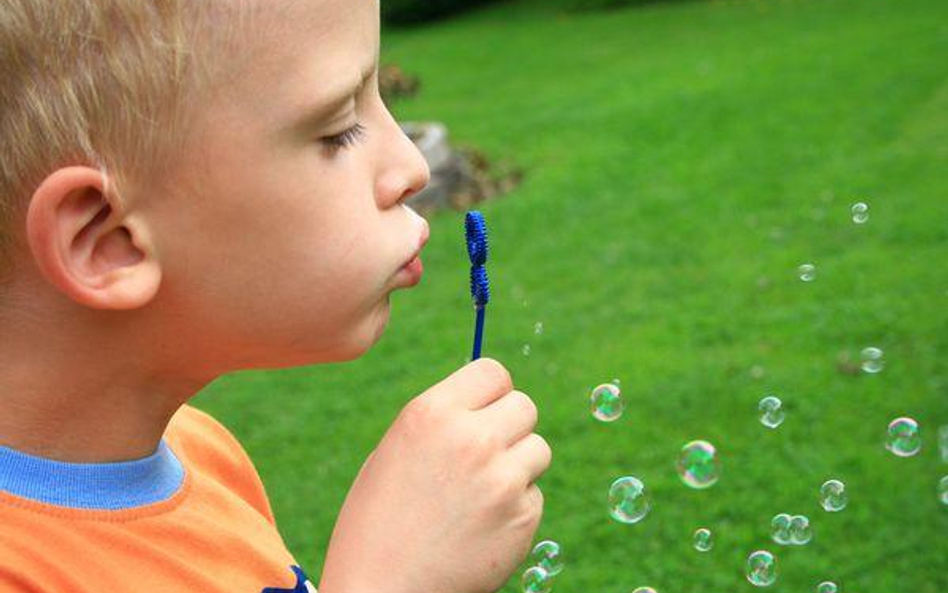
192, 188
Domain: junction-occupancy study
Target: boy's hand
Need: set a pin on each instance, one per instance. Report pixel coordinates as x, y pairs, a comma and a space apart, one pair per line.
446, 503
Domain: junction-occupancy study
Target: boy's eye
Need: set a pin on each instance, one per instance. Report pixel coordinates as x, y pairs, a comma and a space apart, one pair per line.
345, 139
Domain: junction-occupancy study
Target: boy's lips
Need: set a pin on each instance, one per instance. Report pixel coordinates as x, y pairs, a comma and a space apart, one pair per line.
412, 269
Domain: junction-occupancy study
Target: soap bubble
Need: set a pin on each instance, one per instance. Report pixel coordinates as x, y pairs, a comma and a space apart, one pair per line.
698, 465
761, 568
860, 212
943, 443
618, 383
771, 411
538, 328
903, 437
827, 587
943, 490
628, 501
526, 350
800, 532
645, 590
606, 402
833, 496
780, 528
703, 540
872, 361
546, 555
535, 580
790, 529
807, 272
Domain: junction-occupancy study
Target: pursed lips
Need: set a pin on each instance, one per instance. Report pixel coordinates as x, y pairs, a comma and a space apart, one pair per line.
422, 240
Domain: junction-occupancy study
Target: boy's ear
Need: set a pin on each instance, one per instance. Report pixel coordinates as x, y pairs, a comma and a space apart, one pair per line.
86, 246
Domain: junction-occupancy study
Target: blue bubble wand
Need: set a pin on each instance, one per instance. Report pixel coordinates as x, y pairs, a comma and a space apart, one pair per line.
475, 231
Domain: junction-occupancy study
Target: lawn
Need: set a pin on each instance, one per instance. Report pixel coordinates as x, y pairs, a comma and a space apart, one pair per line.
682, 160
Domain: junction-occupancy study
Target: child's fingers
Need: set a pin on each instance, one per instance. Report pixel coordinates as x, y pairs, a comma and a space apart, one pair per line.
532, 455
476, 384
511, 417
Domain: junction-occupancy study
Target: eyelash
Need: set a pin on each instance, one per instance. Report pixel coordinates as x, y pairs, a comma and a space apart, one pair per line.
347, 138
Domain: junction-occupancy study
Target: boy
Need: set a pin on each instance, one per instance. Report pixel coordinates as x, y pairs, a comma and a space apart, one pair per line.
191, 188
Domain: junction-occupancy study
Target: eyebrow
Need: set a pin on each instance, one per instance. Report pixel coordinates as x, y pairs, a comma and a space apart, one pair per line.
317, 113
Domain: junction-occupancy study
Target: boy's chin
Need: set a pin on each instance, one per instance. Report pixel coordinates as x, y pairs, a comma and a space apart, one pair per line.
362, 340
350, 347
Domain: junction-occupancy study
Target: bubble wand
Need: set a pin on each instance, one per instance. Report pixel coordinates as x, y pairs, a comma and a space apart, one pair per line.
475, 231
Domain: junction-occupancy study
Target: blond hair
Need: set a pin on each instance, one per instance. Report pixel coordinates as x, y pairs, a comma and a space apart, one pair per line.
104, 83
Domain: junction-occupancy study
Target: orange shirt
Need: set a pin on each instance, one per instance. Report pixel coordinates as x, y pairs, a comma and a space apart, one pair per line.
207, 525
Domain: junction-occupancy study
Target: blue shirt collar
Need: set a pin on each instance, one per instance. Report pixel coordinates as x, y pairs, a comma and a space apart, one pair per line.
103, 486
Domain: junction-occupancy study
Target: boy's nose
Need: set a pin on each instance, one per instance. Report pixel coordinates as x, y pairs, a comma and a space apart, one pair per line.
406, 171
419, 173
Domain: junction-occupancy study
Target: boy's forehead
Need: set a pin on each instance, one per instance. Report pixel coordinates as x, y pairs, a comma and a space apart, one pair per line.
317, 23
333, 40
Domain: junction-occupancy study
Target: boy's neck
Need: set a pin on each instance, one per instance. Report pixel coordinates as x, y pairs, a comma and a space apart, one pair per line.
82, 405
80, 430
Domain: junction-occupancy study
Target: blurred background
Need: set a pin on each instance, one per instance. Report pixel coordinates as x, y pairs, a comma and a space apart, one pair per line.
653, 175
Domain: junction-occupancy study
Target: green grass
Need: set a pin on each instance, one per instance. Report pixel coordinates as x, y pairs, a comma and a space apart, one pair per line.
682, 160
